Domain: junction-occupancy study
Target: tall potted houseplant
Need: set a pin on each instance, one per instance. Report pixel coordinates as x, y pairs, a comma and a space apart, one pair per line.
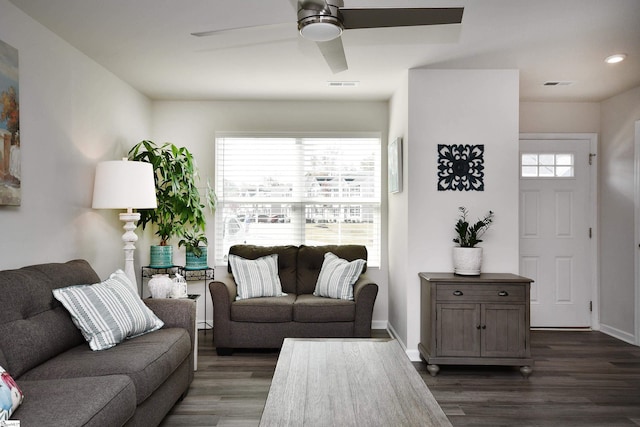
179, 205
467, 258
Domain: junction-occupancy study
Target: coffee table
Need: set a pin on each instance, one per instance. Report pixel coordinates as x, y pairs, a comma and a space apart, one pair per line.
348, 382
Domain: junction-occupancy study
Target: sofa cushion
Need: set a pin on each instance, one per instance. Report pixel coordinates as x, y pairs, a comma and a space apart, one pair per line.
148, 360
287, 261
10, 395
312, 309
256, 278
265, 310
310, 259
34, 326
108, 312
88, 401
337, 277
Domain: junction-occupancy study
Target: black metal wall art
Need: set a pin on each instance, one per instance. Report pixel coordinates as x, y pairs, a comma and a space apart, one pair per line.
460, 167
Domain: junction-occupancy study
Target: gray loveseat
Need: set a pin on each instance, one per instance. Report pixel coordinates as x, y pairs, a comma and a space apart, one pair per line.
64, 382
266, 322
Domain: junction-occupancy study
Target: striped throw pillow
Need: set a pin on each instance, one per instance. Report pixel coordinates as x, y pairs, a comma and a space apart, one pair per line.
109, 312
337, 277
256, 277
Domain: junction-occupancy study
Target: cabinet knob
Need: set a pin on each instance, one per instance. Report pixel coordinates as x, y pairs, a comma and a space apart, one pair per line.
503, 293
478, 327
458, 293
484, 326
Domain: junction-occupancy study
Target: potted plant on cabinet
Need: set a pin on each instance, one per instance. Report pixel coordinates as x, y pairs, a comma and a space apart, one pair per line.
467, 258
179, 204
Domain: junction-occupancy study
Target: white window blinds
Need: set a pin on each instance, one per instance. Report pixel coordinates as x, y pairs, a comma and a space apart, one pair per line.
298, 190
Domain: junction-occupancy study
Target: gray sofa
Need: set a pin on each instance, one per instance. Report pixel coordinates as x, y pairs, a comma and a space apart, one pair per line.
266, 322
64, 382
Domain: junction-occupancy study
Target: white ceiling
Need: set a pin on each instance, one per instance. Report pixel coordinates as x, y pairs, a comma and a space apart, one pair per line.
147, 43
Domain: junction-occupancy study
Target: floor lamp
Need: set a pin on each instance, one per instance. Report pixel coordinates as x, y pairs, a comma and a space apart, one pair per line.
123, 184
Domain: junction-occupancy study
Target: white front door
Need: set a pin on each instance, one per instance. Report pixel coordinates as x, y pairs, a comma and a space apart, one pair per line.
555, 230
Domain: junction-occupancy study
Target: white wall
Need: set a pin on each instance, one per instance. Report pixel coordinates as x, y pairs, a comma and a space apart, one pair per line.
559, 117
194, 124
456, 107
73, 113
617, 247
399, 217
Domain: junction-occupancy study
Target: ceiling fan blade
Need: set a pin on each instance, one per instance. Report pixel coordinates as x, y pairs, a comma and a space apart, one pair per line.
333, 53
375, 18
249, 27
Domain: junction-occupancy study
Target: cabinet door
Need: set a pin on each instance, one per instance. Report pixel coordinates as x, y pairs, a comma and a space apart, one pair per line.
458, 332
503, 330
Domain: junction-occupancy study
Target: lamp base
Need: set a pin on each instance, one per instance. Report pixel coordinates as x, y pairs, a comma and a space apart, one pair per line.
130, 238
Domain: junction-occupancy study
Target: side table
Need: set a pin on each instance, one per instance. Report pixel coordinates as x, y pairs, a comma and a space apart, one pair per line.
203, 274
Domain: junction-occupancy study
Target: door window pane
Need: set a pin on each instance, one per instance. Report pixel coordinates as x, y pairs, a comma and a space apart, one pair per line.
547, 165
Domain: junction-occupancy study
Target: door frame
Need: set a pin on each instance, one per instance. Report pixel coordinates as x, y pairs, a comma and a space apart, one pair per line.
637, 229
594, 259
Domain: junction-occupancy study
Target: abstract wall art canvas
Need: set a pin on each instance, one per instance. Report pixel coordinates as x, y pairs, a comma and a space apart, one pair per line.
10, 164
460, 167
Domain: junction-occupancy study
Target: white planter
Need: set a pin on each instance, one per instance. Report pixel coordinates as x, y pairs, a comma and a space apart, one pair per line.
467, 261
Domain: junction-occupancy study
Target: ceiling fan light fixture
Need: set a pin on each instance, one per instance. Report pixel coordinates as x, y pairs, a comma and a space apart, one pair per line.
320, 28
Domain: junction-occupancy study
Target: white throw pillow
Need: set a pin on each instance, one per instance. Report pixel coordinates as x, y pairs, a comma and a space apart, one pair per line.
337, 277
256, 277
109, 312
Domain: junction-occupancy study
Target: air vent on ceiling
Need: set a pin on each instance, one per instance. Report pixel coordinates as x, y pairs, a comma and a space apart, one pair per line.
558, 83
342, 84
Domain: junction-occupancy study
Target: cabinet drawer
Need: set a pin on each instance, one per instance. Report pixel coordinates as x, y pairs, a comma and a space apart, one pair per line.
482, 293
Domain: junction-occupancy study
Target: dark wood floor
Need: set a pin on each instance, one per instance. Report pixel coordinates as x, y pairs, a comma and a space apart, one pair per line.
579, 379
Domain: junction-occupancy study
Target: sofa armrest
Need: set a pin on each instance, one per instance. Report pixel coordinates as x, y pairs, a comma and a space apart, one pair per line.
229, 285
365, 292
176, 313
223, 292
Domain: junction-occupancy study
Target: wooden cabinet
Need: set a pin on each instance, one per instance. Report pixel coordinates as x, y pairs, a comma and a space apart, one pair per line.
475, 320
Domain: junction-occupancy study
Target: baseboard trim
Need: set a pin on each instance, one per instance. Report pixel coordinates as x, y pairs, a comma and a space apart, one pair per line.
379, 324
617, 333
413, 355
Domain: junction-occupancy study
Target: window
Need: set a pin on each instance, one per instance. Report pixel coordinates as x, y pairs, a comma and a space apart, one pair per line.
546, 165
298, 190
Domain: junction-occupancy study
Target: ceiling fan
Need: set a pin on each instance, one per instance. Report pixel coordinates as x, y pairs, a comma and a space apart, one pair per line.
323, 22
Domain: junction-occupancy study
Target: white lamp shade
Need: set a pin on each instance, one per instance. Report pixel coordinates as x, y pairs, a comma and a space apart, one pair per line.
123, 184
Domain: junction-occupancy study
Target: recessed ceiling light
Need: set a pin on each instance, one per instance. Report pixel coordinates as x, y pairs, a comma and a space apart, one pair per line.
614, 59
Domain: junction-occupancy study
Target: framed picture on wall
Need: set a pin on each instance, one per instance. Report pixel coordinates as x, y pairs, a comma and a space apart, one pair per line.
395, 165
10, 193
